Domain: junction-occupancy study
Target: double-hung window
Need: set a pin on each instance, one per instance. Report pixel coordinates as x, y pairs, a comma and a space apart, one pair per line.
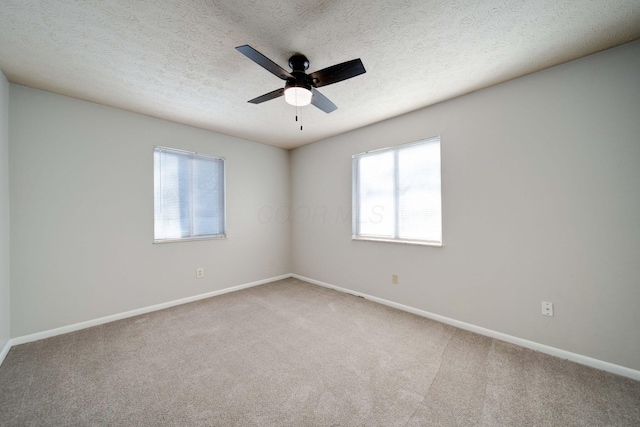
189, 196
396, 194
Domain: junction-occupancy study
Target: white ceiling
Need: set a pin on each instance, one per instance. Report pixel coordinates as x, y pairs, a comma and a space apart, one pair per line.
175, 59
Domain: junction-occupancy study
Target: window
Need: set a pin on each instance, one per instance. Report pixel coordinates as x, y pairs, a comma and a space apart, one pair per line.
188, 196
396, 194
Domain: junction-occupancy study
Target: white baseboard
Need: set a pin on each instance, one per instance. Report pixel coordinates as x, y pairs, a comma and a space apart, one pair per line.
95, 322
563, 354
4, 351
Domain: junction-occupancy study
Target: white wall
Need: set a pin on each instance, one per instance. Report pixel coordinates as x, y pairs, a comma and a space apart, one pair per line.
82, 213
4, 212
541, 201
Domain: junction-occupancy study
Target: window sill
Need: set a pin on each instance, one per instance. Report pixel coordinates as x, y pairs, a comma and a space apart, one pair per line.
401, 241
190, 239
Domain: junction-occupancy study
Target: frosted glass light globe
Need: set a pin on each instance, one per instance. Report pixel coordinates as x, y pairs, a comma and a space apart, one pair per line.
297, 96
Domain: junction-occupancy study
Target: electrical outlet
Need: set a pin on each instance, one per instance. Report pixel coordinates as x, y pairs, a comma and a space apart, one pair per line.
547, 308
394, 279
199, 273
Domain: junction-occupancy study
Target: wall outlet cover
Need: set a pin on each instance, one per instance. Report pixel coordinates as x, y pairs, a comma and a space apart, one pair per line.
547, 308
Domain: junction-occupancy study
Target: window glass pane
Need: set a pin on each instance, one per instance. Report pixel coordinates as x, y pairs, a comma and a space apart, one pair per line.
172, 196
419, 205
188, 195
207, 177
397, 193
376, 195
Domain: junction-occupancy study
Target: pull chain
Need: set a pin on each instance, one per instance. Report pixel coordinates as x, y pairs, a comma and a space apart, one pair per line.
297, 111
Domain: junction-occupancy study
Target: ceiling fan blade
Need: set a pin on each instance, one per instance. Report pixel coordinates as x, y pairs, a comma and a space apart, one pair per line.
268, 96
337, 73
322, 102
264, 62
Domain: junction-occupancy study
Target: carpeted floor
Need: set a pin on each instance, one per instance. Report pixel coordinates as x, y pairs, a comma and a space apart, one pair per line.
293, 354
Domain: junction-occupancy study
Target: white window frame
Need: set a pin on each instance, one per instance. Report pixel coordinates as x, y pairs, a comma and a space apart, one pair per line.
221, 236
355, 193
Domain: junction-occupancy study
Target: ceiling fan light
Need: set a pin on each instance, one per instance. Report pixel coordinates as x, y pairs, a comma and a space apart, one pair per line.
297, 96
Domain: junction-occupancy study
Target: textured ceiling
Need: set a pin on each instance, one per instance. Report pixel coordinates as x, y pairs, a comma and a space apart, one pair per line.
175, 59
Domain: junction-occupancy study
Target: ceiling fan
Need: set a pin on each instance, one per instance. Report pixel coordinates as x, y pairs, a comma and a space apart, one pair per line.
301, 88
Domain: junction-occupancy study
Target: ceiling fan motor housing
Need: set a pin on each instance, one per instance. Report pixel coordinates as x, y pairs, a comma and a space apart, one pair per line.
299, 64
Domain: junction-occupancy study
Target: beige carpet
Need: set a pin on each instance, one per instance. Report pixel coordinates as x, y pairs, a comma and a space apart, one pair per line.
293, 354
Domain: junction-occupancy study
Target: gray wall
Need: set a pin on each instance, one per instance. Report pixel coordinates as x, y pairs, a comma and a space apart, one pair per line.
4, 212
541, 201
82, 209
